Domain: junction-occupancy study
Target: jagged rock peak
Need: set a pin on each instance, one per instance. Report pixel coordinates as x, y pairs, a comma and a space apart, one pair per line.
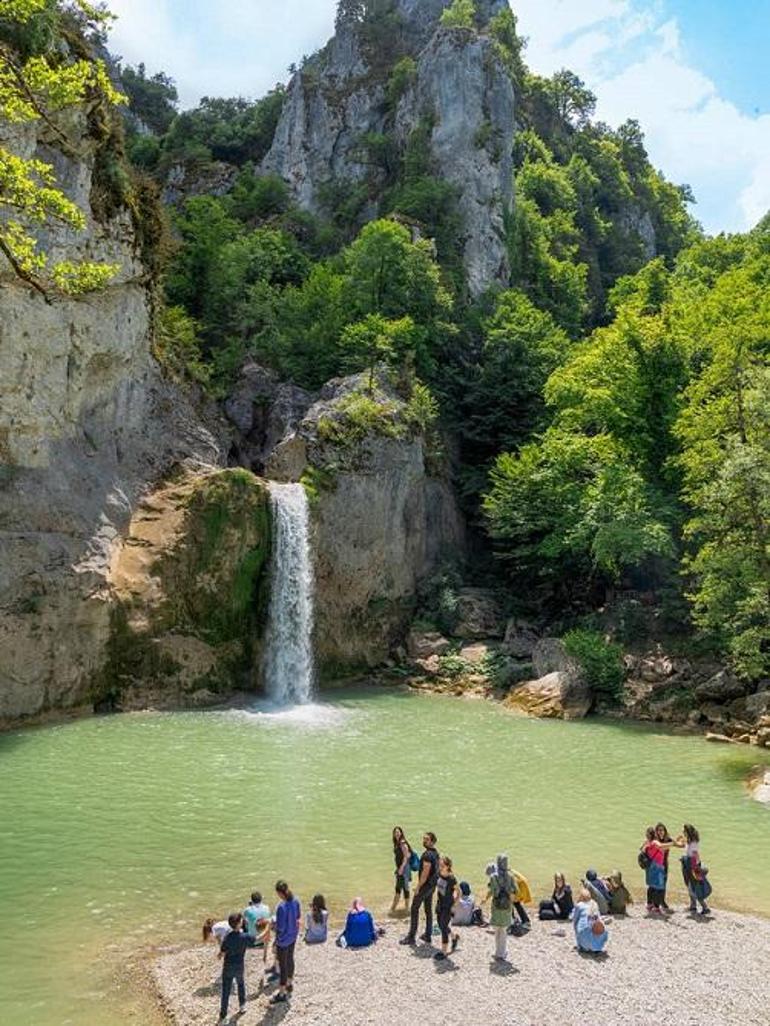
459, 86
423, 15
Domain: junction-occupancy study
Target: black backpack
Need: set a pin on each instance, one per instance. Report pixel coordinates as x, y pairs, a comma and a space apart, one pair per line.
644, 860
502, 900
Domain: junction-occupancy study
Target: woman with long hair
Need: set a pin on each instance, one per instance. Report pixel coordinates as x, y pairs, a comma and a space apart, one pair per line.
402, 856
447, 893
288, 919
695, 873
662, 835
317, 921
653, 853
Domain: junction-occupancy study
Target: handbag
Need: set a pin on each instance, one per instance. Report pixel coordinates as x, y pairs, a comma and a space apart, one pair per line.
597, 928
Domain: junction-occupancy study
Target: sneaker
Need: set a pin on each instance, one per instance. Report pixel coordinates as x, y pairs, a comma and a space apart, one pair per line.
705, 911
408, 940
278, 999
650, 908
692, 909
439, 956
427, 937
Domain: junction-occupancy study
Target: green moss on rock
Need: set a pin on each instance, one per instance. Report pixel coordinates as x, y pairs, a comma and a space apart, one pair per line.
191, 588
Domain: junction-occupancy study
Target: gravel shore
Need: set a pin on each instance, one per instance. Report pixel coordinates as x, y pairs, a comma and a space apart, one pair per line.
683, 971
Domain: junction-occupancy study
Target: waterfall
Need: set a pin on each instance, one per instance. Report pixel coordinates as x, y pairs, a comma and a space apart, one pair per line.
288, 663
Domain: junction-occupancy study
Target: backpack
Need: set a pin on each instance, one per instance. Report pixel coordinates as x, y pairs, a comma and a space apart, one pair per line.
502, 900
644, 860
414, 862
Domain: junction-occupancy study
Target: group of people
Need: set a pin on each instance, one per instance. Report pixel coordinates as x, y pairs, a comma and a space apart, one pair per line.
653, 858
437, 888
278, 934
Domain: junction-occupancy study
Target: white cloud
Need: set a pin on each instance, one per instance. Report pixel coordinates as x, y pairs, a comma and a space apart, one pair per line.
627, 51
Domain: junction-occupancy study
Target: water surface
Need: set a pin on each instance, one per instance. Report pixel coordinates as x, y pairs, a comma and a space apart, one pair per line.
125, 832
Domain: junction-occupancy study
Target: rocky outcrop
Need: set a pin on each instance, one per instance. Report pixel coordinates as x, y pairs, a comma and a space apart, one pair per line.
188, 583
87, 423
460, 91
558, 695
560, 690
380, 522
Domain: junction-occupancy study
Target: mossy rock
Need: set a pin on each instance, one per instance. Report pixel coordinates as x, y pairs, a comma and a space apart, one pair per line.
190, 583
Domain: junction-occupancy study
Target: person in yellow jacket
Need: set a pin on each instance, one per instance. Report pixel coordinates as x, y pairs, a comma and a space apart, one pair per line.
523, 897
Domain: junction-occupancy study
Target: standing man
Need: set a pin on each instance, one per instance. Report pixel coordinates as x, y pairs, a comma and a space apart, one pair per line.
426, 886
232, 950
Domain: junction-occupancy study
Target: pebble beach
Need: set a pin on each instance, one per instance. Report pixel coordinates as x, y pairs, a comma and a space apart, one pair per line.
680, 971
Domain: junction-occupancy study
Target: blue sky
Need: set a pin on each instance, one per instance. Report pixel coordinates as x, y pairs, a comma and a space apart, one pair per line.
695, 73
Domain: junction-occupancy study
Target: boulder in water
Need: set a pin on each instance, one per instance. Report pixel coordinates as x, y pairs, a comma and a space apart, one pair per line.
558, 695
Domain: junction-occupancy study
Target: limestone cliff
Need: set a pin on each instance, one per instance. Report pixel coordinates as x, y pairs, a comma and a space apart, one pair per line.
459, 88
384, 515
87, 423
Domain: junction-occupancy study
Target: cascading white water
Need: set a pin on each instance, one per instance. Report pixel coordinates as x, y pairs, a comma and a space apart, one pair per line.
288, 664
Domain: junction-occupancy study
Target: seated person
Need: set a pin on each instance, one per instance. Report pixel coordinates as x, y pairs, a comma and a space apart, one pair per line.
216, 931
256, 916
464, 906
523, 897
620, 896
590, 932
560, 904
359, 930
598, 890
317, 921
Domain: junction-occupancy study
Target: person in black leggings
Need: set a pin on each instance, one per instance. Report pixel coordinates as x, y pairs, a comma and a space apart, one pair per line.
426, 886
447, 894
288, 919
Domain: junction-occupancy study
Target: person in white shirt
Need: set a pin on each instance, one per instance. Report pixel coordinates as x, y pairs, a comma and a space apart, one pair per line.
464, 906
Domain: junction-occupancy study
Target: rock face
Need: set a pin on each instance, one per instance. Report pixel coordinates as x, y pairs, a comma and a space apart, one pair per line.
188, 582
86, 423
460, 90
478, 614
380, 522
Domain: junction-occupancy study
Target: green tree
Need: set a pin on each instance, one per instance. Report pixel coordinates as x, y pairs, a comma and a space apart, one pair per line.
375, 340
461, 14
724, 431
39, 78
522, 346
571, 509
204, 227
152, 99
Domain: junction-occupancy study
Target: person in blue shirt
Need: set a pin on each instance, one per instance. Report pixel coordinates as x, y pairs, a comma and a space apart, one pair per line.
256, 917
232, 951
288, 920
360, 930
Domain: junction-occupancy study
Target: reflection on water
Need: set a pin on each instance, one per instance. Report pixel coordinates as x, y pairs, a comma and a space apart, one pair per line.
125, 832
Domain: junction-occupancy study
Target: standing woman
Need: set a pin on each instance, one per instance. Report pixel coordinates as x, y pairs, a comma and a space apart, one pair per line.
447, 893
654, 873
288, 920
662, 835
402, 856
695, 873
